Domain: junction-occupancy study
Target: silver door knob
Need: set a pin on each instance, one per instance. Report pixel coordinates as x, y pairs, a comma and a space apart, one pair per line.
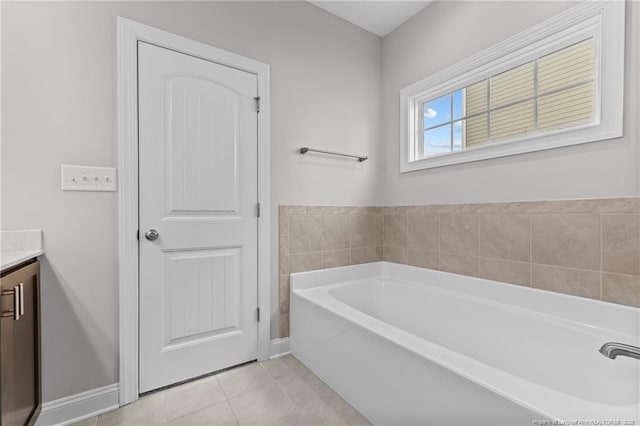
151, 235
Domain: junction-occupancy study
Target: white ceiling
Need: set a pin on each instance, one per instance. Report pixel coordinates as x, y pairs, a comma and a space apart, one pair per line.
378, 17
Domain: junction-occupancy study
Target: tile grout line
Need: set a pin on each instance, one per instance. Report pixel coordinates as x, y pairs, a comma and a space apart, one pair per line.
280, 315
439, 239
478, 245
350, 215
164, 407
227, 400
531, 250
205, 408
406, 235
383, 225
601, 255
284, 391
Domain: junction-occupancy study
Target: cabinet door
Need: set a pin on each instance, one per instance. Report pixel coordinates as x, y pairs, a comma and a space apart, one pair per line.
20, 341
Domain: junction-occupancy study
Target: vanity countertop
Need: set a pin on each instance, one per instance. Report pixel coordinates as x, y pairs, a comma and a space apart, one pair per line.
19, 246
9, 258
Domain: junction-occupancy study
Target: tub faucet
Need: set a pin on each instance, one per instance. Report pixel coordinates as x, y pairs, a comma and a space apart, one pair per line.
613, 349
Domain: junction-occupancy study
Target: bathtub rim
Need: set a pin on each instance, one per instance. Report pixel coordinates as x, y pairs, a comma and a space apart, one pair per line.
598, 313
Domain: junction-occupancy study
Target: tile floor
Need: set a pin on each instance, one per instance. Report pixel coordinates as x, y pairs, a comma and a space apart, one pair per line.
281, 391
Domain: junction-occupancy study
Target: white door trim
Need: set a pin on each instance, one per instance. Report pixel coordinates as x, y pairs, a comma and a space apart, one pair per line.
129, 33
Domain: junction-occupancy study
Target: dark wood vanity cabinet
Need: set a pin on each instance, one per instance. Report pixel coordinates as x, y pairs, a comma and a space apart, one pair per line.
20, 373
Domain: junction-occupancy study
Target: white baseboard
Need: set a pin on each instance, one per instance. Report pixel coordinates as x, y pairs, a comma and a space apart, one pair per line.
78, 407
279, 347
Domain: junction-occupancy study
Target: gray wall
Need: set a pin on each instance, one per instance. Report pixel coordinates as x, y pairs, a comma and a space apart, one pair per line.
59, 106
447, 32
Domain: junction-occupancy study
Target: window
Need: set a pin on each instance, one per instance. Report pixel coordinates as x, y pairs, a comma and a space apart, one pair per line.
544, 88
549, 93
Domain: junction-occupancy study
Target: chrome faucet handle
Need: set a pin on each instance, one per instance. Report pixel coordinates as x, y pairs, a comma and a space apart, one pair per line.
613, 349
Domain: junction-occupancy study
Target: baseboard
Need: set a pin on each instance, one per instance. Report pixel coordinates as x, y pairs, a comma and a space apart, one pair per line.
279, 347
78, 407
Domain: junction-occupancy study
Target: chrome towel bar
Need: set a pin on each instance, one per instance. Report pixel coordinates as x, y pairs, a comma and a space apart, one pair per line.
360, 158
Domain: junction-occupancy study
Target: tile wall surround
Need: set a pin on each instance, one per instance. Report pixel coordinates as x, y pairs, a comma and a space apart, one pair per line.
588, 248
316, 237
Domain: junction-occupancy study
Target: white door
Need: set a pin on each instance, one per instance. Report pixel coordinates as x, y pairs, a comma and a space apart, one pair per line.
198, 190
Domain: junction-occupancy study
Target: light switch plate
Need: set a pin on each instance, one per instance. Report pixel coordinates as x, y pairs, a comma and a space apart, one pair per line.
85, 178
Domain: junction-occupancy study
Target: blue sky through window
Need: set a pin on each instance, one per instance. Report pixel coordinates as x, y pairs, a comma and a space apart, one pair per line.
457, 104
437, 140
457, 135
437, 111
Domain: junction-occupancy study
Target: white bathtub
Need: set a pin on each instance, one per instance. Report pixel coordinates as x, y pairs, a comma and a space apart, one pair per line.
408, 345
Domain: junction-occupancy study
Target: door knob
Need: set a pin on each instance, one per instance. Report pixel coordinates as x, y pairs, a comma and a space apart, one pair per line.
151, 235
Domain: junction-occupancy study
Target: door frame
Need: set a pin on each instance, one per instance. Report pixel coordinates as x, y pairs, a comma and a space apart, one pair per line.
129, 33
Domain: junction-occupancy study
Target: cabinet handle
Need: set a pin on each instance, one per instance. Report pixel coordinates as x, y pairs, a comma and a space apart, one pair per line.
17, 293
21, 288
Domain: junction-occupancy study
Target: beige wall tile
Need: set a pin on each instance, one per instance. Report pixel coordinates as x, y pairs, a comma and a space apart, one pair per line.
489, 207
423, 258
335, 258
576, 282
394, 254
302, 262
552, 206
505, 236
466, 208
283, 254
561, 236
423, 232
364, 230
394, 210
365, 255
284, 325
291, 210
569, 240
305, 233
379, 229
395, 230
602, 205
621, 243
459, 264
624, 289
283, 222
283, 262
428, 209
415, 210
320, 210
459, 234
283, 244
329, 210
335, 231
505, 271
450, 208
283, 288
364, 210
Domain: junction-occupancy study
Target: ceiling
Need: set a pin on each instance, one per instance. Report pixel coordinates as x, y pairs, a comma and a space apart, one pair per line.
377, 17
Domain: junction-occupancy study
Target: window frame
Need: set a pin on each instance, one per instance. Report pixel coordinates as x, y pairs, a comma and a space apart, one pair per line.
601, 20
